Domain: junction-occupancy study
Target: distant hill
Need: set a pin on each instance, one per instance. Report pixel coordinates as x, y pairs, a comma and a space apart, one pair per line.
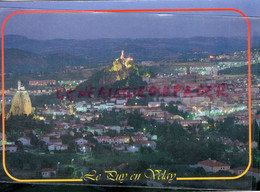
105, 50
23, 54
255, 69
17, 60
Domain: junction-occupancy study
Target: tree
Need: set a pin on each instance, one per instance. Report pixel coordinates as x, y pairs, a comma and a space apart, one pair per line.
200, 171
77, 121
216, 149
46, 164
65, 172
66, 139
173, 109
255, 131
33, 166
34, 139
73, 146
111, 133
137, 121
145, 150
211, 124
163, 108
19, 146
43, 145
20, 164
142, 165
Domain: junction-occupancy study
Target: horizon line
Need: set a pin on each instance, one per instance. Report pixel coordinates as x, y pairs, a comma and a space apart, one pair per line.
131, 38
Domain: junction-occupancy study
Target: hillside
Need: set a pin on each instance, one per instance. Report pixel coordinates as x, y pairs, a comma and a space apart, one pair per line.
20, 61
255, 69
103, 51
122, 73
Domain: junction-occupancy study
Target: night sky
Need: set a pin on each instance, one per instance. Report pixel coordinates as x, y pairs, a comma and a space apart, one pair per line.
131, 25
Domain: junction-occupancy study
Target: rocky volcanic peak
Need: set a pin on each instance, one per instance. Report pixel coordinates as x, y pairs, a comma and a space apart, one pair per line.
121, 69
21, 102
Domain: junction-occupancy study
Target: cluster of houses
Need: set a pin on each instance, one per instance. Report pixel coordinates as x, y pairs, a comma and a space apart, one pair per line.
122, 143
241, 146
101, 129
210, 165
54, 142
218, 107
9, 146
235, 99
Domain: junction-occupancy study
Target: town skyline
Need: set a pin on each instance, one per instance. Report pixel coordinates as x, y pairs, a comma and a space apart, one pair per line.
196, 108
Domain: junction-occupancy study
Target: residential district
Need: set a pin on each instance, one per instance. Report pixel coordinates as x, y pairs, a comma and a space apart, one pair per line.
90, 127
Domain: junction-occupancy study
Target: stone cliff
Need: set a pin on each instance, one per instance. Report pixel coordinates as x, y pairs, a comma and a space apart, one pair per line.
21, 102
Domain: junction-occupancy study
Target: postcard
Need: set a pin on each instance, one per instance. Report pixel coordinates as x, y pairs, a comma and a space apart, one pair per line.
153, 94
